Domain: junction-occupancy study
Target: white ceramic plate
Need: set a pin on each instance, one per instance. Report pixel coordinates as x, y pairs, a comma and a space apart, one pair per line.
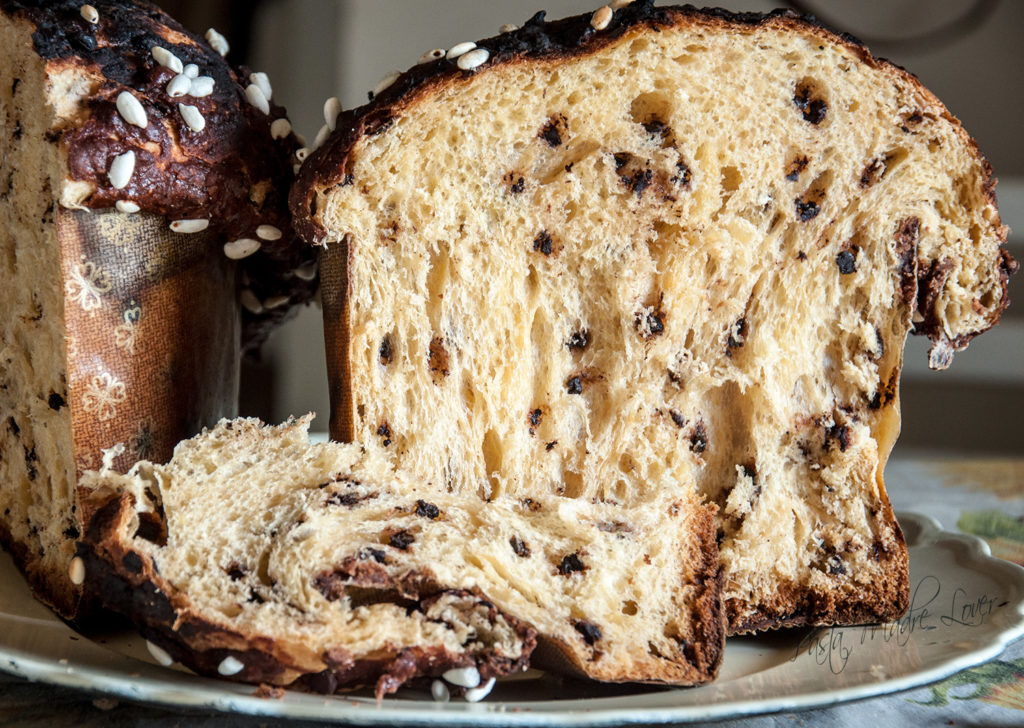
966, 607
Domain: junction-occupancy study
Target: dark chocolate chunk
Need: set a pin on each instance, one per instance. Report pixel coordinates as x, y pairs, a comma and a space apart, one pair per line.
235, 571
682, 175
590, 631
427, 510
401, 540
806, 210
570, 564
813, 109
371, 553
518, 186
677, 418
574, 385
55, 401
133, 562
385, 351
551, 132
579, 340
520, 547
542, 243
699, 439
847, 262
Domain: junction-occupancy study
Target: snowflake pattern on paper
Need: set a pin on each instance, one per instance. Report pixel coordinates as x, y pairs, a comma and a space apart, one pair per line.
87, 284
102, 396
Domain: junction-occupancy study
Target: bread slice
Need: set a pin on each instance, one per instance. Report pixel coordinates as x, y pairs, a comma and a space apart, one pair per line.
676, 251
114, 327
257, 555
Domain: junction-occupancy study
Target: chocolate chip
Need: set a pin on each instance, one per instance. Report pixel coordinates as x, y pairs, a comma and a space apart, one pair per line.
806, 210
579, 340
847, 262
699, 439
347, 180
31, 462
839, 434
656, 128
574, 385
798, 165
385, 351
518, 186
427, 510
813, 109
542, 243
401, 540
551, 133
371, 553
835, 565
384, 431
55, 401
235, 571
343, 499
639, 181
871, 173
682, 175
737, 335
520, 547
551, 445
677, 418
590, 631
570, 564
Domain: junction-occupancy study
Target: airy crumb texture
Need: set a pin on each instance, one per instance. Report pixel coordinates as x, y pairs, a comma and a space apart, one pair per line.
316, 566
681, 254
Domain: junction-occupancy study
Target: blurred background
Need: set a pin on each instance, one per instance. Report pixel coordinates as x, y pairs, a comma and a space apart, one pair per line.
970, 53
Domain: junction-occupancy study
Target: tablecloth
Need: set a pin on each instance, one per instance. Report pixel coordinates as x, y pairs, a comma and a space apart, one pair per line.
983, 497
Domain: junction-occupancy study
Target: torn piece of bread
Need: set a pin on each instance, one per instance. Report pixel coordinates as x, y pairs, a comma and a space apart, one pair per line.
316, 566
132, 172
678, 250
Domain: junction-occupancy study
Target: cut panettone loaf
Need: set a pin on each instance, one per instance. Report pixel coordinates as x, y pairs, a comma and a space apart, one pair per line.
133, 175
679, 250
256, 555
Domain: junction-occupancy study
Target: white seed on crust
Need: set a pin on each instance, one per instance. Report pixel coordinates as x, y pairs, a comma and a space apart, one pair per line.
385, 83
126, 206
201, 86
254, 94
275, 302
76, 571
601, 18
464, 677
306, 271
121, 170
296, 168
250, 302
241, 248
474, 59
301, 153
268, 232
332, 108
217, 41
230, 665
191, 70
508, 28
459, 49
439, 691
619, 4
475, 695
159, 654
321, 136
90, 13
432, 55
263, 81
180, 85
167, 59
280, 128
193, 117
131, 110
189, 226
